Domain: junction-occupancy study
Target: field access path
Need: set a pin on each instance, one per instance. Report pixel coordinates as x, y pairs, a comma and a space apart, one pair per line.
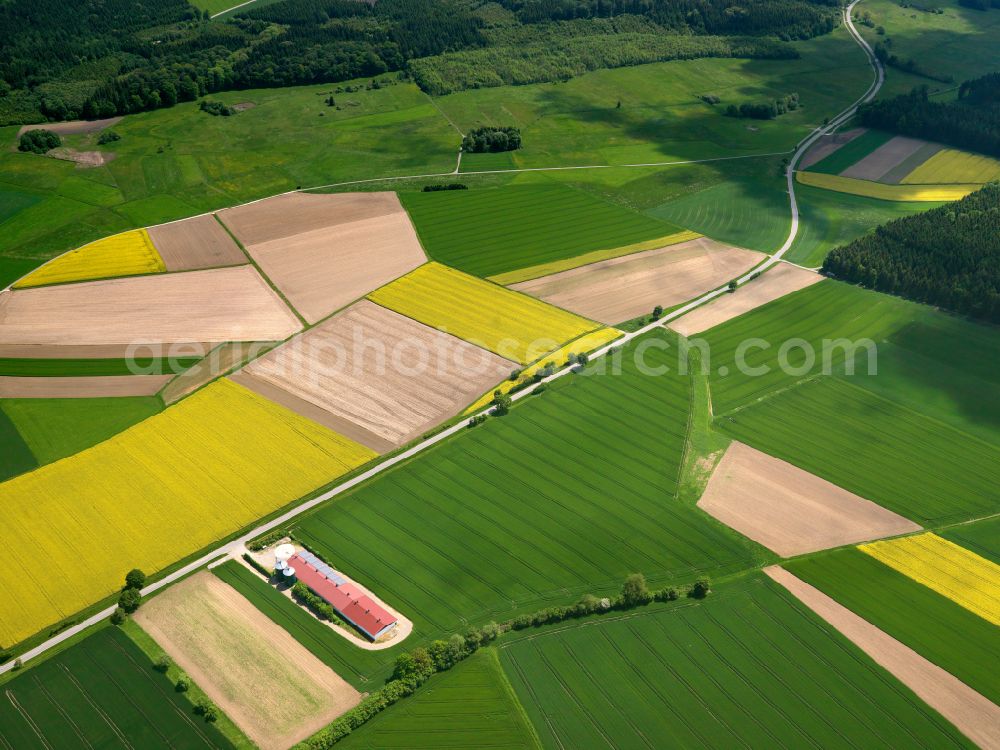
235, 547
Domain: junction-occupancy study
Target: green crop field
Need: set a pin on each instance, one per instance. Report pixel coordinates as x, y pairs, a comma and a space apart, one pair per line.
102, 692
748, 667
568, 494
357, 666
54, 428
17, 457
492, 231
15, 367
470, 705
982, 537
932, 625
851, 152
912, 464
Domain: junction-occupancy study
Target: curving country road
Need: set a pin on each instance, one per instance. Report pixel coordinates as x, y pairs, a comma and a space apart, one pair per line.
236, 546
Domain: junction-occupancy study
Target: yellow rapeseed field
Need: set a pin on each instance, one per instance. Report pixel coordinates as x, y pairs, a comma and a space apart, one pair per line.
583, 345
885, 192
947, 568
125, 254
507, 323
152, 495
544, 269
952, 166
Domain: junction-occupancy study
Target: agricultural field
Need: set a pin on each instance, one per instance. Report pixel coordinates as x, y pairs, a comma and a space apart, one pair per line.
881, 191
913, 614
750, 666
470, 705
194, 473
120, 386
17, 456
272, 688
512, 325
127, 254
982, 537
101, 692
200, 242
619, 289
404, 380
849, 153
27, 367
952, 165
57, 428
217, 305
489, 232
883, 162
964, 577
593, 464
325, 251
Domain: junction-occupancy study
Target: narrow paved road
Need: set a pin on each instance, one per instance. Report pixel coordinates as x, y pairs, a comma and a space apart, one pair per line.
233, 547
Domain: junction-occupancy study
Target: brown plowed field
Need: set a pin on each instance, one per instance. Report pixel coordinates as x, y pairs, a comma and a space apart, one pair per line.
381, 378
275, 690
776, 282
74, 127
790, 511
106, 351
200, 242
224, 304
975, 716
620, 289
884, 158
827, 145
82, 387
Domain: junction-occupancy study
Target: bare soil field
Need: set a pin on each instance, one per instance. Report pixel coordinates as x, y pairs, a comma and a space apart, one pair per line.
322, 270
884, 159
620, 289
295, 213
262, 678
195, 243
827, 145
380, 377
224, 304
975, 716
790, 511
217, 362
84, 159
74, 127
782, 279
82, 387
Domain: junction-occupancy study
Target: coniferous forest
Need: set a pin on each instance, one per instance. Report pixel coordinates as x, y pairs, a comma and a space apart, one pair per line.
949, 256
98, 58
971, 122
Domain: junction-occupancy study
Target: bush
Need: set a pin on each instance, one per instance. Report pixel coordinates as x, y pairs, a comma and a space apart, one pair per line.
205, 708
216, 109
267, 540
118, 616
701, 588
657, 312
257, 566
108, 136
732, 286
448, 186
501, 403
130, 600
162, 664
18, 664
38, 141
477, 420
182, 685
135, 579
492, 139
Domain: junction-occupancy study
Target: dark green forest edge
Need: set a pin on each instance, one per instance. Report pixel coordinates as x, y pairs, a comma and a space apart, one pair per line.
949, 256
122, 56
971, 122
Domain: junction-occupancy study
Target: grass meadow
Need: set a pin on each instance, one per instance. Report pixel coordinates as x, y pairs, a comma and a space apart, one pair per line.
492, 231
937, 628
102, 692
55, 428
917, 437
569, 493
750, 666
17, 457
470, 705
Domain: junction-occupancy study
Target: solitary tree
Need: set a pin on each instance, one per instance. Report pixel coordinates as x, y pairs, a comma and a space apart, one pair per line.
501, 403
634, 590
135, 579
701, 588
732, 285
657, 312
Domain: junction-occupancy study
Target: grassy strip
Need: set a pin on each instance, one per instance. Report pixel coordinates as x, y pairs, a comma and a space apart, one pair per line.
982, 537
914, 614
886, 192
852, 152
40, 368
194, 693
16, 457
534, 272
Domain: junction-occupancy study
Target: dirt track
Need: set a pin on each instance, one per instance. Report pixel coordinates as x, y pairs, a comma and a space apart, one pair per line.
260, 676
200, 242
74, 127
82, 387
777, 282
975, 716
620, 289
790, 511
225, 304
381, 378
